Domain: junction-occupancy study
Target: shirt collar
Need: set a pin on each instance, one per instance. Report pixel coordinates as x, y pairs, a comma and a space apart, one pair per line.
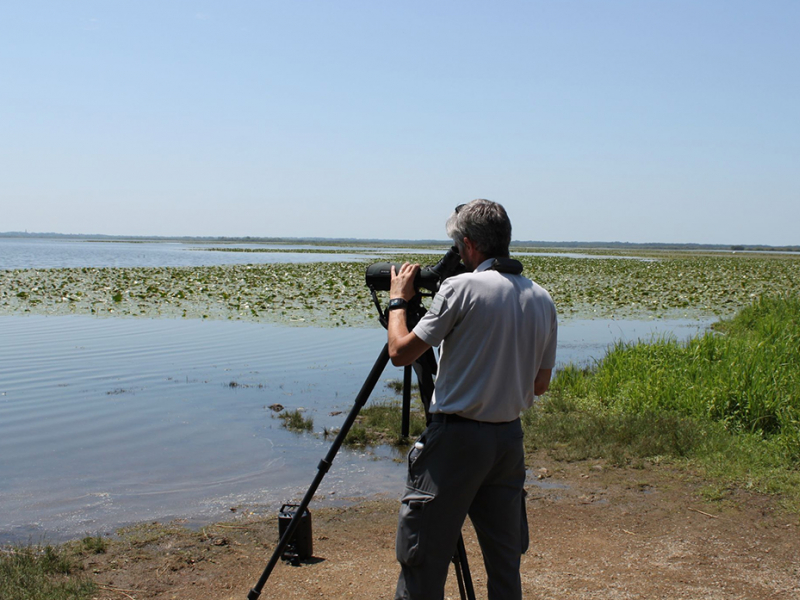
484, 266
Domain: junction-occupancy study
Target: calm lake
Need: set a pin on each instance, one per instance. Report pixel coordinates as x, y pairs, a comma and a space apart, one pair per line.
109, 421
42, 253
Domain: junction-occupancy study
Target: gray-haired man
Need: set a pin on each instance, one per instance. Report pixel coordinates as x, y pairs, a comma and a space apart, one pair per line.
497, 336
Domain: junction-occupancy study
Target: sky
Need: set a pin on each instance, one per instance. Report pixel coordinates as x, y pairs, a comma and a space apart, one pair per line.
596, 120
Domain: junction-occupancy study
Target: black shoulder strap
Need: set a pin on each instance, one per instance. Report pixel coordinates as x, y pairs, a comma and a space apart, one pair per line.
507, 265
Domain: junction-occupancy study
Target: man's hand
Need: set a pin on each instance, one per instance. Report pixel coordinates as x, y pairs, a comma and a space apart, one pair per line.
404, 346
403, 282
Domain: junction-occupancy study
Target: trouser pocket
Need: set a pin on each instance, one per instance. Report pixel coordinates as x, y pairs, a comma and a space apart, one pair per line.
411, 527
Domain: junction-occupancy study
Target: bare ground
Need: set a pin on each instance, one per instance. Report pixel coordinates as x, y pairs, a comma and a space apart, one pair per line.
596, 532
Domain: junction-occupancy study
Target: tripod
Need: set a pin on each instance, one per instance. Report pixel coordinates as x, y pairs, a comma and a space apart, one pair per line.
425, 368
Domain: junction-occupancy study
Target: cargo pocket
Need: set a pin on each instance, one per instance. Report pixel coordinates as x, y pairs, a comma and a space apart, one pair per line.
411, 527
525, 538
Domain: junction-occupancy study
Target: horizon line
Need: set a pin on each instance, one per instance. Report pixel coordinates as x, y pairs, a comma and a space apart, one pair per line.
444, 242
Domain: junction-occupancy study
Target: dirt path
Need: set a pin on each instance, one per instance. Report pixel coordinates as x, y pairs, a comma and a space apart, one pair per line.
595, 533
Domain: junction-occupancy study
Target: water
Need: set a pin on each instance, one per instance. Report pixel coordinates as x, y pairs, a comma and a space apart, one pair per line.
47, 253
581, 342
109, 421
40, 253
106, 421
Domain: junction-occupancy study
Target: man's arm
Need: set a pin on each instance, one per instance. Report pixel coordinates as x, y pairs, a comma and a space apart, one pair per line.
404, 345
542, 381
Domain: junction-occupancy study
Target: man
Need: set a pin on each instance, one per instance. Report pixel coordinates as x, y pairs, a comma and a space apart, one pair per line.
497, 336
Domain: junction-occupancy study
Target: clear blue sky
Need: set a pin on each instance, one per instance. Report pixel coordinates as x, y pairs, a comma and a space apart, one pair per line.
663, 121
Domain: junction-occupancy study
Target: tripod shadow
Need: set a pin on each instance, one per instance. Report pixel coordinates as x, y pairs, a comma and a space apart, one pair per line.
299, 562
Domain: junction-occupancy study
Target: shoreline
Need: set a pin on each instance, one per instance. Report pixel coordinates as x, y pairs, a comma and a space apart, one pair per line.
163, 397
596, 531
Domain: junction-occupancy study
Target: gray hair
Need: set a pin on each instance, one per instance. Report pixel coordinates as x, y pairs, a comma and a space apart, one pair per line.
485, 223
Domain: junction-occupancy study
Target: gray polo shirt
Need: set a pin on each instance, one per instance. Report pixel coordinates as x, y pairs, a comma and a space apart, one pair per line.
496, 331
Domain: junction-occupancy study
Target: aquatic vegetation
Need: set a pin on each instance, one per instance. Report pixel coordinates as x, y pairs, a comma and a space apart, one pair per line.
295, 421
334, 294
673, 285
277, 250
328, 293
381, 423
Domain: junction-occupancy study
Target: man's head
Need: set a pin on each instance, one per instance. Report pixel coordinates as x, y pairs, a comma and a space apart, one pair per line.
485, 224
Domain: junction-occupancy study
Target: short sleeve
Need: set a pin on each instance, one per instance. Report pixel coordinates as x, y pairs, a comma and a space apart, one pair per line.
549, 354
441, 318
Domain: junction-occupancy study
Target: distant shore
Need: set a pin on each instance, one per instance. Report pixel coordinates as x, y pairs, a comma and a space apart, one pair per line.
582, 245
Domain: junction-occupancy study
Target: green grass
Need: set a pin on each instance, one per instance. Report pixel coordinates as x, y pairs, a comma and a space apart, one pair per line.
572, 431
747, 378
42, 573
381, 423
727, 401
94, 545
295, 421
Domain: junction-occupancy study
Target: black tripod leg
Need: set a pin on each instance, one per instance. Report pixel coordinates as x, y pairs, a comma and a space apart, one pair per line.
322, 468
462, 570
406, 417
459, 577
425, 368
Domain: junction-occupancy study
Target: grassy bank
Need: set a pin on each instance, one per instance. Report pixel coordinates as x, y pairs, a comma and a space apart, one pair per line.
727, 402
46, 572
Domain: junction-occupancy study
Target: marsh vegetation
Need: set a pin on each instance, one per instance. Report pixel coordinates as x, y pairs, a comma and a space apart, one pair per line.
656, 285
727, 402
294, 420
380, 422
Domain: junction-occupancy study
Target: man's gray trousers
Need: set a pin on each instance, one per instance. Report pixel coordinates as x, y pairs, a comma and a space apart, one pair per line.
464, 467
